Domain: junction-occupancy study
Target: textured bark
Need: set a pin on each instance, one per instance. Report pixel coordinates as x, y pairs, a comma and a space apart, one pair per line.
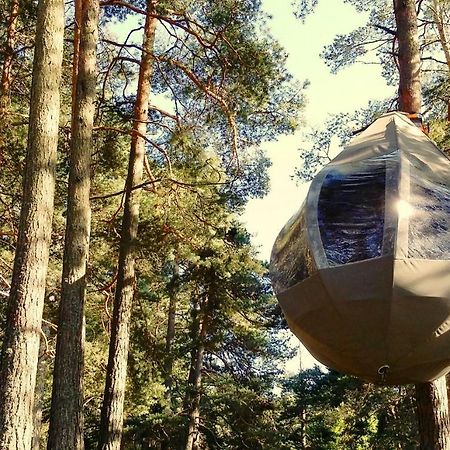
193, 396
112, 409
78, 16
431, 398
21, 343
410, 96
170, 335
432, 415
66, 415
8, 59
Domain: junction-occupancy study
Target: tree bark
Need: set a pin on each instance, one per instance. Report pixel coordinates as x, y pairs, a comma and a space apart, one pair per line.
170, 335
21, 342
432, 415
193, 394
112, 409
409, 93
78, 16
431, 398
66, 415
6, 80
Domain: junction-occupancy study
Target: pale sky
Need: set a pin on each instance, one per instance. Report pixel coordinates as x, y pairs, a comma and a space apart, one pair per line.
328, 94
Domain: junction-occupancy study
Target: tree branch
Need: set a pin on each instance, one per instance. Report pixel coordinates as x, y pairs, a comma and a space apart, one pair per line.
386, 29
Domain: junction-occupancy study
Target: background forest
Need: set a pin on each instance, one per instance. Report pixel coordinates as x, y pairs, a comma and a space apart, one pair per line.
163, 109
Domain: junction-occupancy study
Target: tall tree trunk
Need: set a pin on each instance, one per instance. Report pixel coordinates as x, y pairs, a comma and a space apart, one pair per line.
431, 398
432, 415
112, 409
21, 342
170, 335
302, 417
78, 16
66, 415
409, 92
193, 394
8, 59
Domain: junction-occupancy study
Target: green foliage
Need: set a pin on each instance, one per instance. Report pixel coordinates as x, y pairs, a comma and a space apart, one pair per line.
220, 89
303, 8
440, 133
335, 132
332, 411
376, 37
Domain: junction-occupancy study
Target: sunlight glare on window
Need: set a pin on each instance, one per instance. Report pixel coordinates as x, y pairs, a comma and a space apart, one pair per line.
404, 209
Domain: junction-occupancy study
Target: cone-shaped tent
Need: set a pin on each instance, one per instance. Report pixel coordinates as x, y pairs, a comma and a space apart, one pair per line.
362, 271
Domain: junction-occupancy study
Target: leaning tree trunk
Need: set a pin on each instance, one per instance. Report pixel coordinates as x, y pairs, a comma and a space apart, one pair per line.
431, 398
66, 415
112, 409
23, 327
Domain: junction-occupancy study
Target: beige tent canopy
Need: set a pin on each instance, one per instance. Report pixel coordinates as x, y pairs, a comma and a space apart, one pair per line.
362, 271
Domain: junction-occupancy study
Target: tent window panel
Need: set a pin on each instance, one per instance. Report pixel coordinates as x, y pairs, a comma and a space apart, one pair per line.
351, 212
292, 260
429, 220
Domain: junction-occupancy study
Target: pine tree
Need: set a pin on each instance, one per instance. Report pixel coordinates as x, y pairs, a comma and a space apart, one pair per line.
433, 415
432, 403
410, 88
225, 89
66, 415
23, 326
112, 409
220, 112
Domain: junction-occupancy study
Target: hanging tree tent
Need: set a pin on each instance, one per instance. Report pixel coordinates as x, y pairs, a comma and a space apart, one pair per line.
362, 271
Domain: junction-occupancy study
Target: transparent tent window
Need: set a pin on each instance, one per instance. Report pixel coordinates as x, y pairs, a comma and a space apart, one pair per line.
351, 211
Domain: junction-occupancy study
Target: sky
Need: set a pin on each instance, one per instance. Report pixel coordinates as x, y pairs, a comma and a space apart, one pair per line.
328, 94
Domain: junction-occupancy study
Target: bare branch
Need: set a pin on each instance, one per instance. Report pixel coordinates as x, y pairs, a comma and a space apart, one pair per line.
160, 180
115, 194
210, 91
124, 5
386, 29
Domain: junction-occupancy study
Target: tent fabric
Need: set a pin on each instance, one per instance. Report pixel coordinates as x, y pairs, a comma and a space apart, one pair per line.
362, 271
